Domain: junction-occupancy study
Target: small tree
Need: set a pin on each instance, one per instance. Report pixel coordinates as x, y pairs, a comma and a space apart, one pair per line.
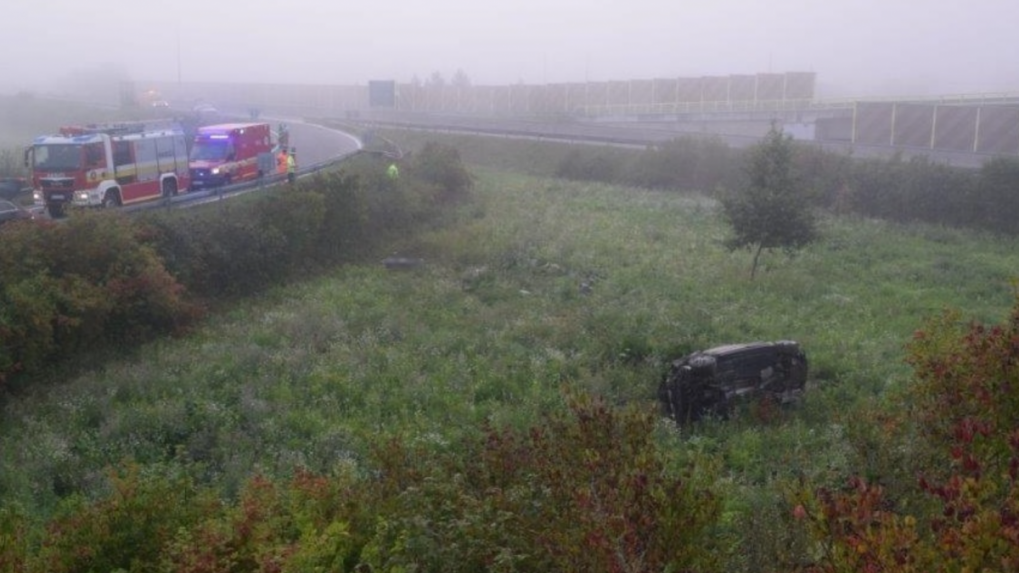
460, 79
436, 80
774, 209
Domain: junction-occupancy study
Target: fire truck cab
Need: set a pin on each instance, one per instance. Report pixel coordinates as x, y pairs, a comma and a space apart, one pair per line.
229, 153
107, 165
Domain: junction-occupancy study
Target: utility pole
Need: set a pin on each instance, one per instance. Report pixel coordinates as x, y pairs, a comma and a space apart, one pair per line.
178, 55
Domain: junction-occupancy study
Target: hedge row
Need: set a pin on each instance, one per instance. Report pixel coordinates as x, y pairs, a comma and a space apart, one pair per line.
897, 189
586, 490
100, 279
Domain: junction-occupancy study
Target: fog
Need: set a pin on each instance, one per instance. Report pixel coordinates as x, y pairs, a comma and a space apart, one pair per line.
858, 48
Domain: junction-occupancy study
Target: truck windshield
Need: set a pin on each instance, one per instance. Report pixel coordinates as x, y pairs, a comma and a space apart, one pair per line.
57, 157
212, 151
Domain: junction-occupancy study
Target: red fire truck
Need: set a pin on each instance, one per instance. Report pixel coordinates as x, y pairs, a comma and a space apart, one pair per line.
229, 153
108, 165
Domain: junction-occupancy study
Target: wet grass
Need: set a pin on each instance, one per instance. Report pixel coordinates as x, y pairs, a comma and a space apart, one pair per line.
543, 284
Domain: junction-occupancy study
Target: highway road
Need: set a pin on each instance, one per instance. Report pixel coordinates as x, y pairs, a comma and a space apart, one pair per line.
642, 134
316, 144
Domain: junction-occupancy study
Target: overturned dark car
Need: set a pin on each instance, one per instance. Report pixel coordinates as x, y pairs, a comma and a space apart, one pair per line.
712, 382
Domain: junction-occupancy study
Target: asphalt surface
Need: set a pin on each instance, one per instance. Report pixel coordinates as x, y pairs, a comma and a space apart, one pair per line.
316, 144
316, 147
642, 134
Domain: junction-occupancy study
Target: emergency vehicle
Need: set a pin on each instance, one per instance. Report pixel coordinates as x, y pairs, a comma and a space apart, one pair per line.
108, 165
229, 153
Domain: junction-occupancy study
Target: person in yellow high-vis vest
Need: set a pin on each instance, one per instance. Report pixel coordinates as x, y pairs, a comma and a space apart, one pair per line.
292, 166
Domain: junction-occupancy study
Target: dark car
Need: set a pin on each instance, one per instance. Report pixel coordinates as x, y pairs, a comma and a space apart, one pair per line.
11, 187
12, 212
713, 381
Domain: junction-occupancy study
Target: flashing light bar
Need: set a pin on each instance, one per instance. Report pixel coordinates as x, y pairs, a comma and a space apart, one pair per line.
219, 136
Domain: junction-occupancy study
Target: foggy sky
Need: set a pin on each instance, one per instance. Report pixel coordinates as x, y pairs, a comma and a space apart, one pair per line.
856, 47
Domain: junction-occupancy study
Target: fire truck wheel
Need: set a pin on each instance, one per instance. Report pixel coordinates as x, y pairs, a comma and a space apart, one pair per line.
55, 211
169, 188
111, 199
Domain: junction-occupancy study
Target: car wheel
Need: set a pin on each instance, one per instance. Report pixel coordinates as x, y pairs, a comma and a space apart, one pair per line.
111, 199
169, 188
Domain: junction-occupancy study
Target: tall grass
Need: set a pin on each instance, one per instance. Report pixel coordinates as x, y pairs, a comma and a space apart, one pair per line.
543, 284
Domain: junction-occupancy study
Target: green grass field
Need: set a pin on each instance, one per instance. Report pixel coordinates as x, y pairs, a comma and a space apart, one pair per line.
541, 288
494, 326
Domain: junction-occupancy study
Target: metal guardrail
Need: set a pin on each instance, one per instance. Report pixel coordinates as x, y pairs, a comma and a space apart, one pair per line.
669, 108
790, 105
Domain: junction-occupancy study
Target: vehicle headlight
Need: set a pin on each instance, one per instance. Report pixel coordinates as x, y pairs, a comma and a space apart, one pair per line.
83, 195
215, 171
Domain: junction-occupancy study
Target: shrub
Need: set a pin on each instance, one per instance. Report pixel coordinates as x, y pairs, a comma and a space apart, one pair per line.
586, 490
347, 232
912, 190
73, 286
965, 403
686, 163
440, 165
298, 216
127, 531
604, 165
228, 252
240, 248
996, 197
825, 173
14, 543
